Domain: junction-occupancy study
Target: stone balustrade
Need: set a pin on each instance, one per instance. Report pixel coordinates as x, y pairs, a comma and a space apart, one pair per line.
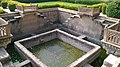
5, 34
112, 34
111, 40
4, 30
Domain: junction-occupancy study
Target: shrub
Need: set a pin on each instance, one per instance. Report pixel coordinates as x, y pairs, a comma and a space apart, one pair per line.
34, 1
71, 1
113, 9
89, 2
104, 7
2, 11
58, 4
4, 3
47, 6
11, 6
68, 6
18, 3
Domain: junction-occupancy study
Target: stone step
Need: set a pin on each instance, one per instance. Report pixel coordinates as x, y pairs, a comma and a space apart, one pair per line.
4, 56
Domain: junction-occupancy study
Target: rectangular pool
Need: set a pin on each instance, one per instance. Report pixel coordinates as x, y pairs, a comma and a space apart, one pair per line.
56, 53
57, 48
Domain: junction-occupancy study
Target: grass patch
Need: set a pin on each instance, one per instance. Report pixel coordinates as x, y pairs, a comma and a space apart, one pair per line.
99, 61
66, 5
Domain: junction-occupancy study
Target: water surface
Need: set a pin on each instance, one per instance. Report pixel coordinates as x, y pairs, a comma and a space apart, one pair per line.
56, 53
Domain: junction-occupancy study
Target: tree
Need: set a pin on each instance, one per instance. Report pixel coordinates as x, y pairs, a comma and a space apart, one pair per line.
113, 9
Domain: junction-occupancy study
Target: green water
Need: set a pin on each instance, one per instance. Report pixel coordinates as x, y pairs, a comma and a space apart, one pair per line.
15, 57
99, 61
56, 53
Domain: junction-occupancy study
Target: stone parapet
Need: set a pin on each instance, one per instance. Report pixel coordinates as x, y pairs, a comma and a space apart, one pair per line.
5, 33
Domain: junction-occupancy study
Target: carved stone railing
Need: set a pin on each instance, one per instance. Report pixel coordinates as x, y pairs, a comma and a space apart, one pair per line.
27, 8
112, 34
88, 11
5, 33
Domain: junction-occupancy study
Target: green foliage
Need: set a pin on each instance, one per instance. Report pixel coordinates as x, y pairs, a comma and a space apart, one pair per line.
71, 1
113, 9
4, 3
116, 0
41, 6
11, 6
102, 7
89, 2
68, 6
15, 57
95, 6
1, 10
18, 3
99, 61
59, 4
34, 1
